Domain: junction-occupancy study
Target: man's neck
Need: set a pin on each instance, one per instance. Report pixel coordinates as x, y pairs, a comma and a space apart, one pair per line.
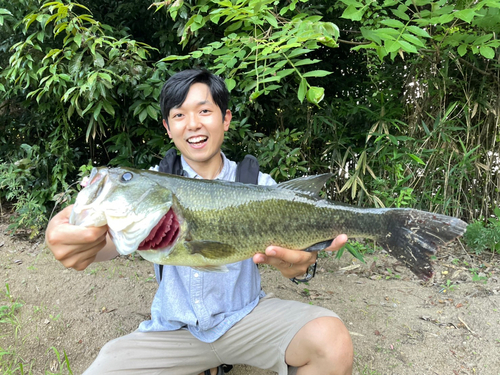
209, 169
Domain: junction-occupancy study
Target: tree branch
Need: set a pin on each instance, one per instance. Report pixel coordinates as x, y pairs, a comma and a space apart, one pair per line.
352, 43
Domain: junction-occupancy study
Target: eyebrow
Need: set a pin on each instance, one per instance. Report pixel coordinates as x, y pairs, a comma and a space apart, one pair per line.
203, 102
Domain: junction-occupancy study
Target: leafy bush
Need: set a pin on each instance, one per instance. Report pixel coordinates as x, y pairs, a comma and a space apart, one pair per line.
31, 181
481, 236
400, 105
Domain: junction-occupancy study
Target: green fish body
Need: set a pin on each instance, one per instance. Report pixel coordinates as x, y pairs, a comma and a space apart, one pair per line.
209, 223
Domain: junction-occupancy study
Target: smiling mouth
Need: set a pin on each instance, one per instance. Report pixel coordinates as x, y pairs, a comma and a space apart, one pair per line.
197, 140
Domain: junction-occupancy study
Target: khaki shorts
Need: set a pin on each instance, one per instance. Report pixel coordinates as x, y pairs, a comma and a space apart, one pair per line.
260, 339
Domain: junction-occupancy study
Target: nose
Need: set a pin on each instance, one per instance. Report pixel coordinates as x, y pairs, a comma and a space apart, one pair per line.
193, 123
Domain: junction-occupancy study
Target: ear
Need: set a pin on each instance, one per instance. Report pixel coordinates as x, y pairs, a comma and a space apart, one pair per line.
165, 125
227, 120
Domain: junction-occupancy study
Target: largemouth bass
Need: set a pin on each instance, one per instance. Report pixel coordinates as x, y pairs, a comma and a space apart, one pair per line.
210, 223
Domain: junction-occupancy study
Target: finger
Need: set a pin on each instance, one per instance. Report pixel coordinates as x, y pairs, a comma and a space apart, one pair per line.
291, 263
337, 243
280, 255
63, 215
259, 258
81, 257
75, 235
68, 241
78, 262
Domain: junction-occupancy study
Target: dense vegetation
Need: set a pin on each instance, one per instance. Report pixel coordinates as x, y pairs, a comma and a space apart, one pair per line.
398, 98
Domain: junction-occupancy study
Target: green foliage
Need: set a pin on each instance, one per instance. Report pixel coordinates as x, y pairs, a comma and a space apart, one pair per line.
356, 249
481, 236
265, 44
397, 28
30, 184
449, 287
87, 73
397, 99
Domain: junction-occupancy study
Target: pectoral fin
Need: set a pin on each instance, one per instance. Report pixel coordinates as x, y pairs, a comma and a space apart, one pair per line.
210, 249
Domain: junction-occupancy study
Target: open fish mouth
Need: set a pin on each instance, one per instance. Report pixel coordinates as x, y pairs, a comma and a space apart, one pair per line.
163, 234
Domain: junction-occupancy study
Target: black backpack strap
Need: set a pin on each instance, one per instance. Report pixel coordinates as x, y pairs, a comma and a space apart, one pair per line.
247, 171
171, 163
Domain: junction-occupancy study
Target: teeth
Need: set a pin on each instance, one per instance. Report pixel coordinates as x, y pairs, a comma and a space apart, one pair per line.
197, 139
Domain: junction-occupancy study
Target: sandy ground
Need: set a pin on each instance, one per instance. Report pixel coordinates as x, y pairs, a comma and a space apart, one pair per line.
399, 324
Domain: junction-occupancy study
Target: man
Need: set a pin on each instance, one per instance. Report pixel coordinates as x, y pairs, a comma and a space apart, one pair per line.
200, 320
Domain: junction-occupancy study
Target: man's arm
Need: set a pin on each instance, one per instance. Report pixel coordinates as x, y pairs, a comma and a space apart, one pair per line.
293, 263
77, 247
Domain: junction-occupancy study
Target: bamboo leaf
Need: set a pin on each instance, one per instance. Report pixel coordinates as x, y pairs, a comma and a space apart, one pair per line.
108, 107
417, 159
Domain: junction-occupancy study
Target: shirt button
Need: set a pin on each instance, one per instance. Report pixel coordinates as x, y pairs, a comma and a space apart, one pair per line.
196, 275
197, 301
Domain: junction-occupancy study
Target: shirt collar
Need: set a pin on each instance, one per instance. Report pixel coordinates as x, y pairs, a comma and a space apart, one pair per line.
190, 172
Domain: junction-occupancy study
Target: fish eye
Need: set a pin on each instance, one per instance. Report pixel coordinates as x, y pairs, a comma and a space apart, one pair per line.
127, 176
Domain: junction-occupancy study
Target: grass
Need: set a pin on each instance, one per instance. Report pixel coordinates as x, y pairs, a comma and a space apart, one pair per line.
11, 360
368, 371
449, 287
11, 363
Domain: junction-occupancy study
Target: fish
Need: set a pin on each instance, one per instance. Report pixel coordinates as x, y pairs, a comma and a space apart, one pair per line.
207, 224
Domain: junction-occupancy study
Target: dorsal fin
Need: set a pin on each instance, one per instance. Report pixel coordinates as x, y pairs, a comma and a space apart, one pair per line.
310, 185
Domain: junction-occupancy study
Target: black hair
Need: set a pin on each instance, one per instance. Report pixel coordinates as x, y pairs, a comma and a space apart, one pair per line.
175, 90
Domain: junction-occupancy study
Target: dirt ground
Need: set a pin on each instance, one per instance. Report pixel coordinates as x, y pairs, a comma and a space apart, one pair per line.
399, 324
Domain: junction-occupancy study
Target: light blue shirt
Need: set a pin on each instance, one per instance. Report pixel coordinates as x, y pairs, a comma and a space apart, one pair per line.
208, 304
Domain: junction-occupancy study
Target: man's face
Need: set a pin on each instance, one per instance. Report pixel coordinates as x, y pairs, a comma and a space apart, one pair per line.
197, 127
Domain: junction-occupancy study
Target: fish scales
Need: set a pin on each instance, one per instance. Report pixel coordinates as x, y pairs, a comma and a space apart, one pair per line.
250, 212
206, 223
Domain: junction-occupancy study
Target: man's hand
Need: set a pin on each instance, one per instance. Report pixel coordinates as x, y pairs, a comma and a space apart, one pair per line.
74, 246
293, 263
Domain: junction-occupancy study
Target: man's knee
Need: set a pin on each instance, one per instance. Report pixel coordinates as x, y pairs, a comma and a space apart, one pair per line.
334, 341
323, 343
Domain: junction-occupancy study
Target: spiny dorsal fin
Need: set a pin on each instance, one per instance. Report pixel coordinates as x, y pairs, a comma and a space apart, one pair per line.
310, 185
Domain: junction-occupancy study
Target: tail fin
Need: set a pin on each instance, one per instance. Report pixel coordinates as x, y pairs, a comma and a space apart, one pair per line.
413, 236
